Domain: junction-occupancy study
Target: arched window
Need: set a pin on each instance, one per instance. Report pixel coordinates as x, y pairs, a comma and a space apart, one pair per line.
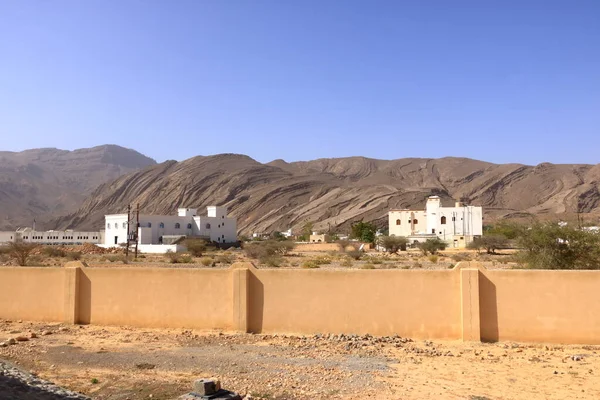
207, 226
149, 224
415, 221
397, 222
108, 226
443, 220
189, 226
177, 226
162, 225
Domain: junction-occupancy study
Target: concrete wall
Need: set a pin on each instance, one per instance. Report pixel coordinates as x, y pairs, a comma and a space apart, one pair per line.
468, 302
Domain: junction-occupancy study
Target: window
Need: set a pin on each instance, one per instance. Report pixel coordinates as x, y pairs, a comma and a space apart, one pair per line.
433, 231
409, 221
443, 220
453, 219
207, 226
124, 225
149, 224
189, 226
177, 226
218, 226
162, 225
415, 221
397, 222
108, 226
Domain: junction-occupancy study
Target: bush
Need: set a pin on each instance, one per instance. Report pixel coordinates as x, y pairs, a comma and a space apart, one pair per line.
73, 255
225, 258
460, 257
490, 243
258, 250
186, 259
393, 244
417, 264
310, 264
555, 247
53, 251
207, 261
343, 245
172, 257
367, 266
355, 254
433, 258
432, 246
364, 231
346, 263
20, 252
272, 261
195, 247
321, 260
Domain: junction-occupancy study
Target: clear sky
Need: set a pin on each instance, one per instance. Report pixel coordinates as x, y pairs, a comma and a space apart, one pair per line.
497, 80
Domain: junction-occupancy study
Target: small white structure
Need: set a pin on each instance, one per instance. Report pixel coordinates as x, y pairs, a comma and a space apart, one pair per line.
456, 225
157, 233
66, 237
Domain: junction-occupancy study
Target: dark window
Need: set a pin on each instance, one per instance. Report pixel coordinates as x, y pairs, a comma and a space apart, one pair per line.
207, 226
433, 231
397, 222
189, 226
415, 221
443, 220
162, 225
149, 224
177, 226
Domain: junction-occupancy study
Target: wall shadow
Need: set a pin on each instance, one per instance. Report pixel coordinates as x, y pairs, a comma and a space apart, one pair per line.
256, 303
488, 310
85, 299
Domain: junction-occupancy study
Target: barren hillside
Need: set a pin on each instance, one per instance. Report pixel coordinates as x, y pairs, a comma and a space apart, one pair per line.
42, 183
335, 192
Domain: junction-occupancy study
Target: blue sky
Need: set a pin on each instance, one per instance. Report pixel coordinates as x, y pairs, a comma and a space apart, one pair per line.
502, 81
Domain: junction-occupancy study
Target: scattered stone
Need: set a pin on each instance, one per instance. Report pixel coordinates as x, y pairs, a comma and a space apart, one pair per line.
210, 389
33, 335
11, 341
2, 344
22, 339
577, 358
206, 387
46, 333
63, 329
145, 366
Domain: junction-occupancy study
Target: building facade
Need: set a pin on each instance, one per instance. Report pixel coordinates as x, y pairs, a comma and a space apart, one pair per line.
155, 230
66, 237
456, 225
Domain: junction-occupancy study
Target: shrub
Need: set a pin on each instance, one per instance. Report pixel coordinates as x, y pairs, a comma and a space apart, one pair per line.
367, 266
225, 258
207, 261
433, 258
310, 264
186, 259
322, 260
172, 257
195, 247
20, 252
346, 263
432, 246
343, 245
74, 255
53, 251
490, 243
555, 247
460, 257
355, 254
258, 250
393, 244
272, 261
417, 264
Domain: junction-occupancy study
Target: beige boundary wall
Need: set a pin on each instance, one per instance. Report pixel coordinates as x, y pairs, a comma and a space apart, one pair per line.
467, 302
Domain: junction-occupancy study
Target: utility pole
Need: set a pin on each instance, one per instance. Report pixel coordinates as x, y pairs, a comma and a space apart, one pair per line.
137, 228
127, 238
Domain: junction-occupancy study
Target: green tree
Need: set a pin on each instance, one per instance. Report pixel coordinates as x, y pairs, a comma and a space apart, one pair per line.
364, 231
393, 244
490, 243
508, 229
550, 246
195, 247
432, 246
276, 235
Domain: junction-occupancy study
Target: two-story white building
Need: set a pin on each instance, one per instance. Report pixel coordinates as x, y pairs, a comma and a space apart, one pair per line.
156, 233
456, 225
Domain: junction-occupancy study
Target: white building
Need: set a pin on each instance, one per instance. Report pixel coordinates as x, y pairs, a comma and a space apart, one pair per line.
456, 225
157, 233
67, 237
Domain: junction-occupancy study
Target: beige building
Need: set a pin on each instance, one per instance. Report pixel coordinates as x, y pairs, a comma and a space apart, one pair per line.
456, 225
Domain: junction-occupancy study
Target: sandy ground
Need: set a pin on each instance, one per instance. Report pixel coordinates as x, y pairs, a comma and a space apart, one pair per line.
132, 363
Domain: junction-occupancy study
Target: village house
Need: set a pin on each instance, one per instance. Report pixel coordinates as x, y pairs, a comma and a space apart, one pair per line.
456, 225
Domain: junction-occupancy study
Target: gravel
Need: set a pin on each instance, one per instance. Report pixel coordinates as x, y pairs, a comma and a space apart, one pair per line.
17, 384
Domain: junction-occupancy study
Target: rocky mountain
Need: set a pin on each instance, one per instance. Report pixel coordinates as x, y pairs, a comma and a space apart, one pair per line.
45, 183
333, 193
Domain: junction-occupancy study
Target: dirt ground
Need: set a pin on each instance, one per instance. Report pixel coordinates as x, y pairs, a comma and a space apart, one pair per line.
131, 363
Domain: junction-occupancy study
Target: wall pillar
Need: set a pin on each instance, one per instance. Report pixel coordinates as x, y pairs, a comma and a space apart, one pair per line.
240, 274
469, 310
71, 308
